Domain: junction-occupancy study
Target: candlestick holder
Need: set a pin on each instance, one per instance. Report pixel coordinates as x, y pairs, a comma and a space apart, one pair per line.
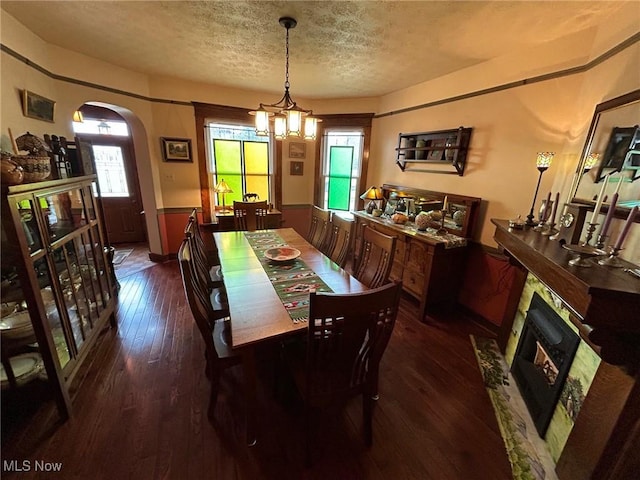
550, 230
591, 227
442, 230
602, 240
582, 254
612, 260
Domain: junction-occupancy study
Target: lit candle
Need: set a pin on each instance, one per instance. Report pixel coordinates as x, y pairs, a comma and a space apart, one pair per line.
609, 217
599, 200
445, 203
626, 228
555, 208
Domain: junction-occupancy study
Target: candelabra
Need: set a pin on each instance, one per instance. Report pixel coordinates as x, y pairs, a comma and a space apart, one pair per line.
542, 163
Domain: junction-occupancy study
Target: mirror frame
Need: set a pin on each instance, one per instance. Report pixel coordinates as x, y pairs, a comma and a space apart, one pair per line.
622, 100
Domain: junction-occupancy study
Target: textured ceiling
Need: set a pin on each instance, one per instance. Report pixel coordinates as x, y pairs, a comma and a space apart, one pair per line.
339, 49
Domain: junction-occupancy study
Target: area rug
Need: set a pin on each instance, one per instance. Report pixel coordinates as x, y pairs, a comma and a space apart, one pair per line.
527, 452
121, 255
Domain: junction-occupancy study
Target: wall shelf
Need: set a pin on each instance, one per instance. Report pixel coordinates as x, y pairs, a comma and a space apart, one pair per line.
445, 151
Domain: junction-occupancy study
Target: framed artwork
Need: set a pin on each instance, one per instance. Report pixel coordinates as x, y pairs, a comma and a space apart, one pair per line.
296, 168
297, 150
176, 149
37, 106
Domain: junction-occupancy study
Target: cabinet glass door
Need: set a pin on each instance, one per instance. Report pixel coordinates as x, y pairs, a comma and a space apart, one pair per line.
63, 212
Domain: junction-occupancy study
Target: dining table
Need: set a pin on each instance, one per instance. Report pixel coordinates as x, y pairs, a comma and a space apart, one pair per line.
268, 299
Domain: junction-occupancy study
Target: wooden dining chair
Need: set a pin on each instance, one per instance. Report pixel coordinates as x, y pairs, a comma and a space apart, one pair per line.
211, 322
206, 259
375, 259
250, 216
320, 219
346, 337
339, 239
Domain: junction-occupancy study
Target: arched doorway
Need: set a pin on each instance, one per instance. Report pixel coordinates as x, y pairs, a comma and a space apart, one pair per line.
115, 164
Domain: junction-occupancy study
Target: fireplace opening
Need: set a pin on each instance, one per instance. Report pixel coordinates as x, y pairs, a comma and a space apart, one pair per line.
542, 360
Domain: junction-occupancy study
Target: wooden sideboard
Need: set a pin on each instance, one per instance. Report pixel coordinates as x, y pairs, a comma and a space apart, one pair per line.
430, 271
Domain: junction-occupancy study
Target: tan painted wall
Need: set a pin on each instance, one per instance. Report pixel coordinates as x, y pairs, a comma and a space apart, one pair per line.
509, 127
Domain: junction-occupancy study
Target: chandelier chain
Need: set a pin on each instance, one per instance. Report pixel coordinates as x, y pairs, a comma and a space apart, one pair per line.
286, 78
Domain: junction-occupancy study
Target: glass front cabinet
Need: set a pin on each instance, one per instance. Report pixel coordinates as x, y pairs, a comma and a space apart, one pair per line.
58, 284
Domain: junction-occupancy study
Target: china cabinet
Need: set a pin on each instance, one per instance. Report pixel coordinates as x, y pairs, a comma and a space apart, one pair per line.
57, 281
443, 151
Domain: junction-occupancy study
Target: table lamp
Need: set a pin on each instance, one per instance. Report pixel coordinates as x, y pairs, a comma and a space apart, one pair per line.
373, 194
223, 188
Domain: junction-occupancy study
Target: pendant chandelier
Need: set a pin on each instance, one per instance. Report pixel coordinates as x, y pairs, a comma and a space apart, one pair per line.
287, 114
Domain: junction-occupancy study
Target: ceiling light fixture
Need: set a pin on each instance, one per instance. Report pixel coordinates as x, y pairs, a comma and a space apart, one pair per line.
287, 114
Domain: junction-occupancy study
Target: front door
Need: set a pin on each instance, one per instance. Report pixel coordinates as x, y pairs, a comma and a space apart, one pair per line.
119, 187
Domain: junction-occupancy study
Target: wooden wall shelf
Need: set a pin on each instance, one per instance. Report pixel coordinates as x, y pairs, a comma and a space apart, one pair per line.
445, 151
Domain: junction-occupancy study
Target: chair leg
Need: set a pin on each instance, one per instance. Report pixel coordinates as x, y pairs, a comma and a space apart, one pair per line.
307, 433
367, 414
215, 387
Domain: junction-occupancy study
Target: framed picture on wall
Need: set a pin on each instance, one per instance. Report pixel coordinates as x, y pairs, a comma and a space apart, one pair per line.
36, 106
297, 150
297, 168
176, 149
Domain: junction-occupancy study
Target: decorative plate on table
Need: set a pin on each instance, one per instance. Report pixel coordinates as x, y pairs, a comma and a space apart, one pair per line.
282, 254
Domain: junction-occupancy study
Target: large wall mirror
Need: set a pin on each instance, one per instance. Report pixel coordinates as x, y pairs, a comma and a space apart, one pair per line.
612, 154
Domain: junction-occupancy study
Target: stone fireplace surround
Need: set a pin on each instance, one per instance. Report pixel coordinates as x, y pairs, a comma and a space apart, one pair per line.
602, 304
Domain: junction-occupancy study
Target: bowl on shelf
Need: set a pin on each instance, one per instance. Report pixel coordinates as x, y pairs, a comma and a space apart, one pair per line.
17, 325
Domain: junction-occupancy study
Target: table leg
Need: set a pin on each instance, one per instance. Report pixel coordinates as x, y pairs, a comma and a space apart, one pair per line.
249, 367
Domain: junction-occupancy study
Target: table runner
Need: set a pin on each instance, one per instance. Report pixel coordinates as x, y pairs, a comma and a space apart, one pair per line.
292, 280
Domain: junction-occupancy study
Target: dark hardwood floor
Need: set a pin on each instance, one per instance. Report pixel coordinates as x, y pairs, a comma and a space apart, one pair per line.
140, 407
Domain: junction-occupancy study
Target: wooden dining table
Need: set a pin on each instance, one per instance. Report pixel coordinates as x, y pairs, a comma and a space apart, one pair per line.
257, 313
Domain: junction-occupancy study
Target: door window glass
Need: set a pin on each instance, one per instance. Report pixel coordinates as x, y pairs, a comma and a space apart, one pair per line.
112, 176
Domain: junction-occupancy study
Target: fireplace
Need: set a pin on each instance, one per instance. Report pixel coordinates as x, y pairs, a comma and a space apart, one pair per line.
542, 360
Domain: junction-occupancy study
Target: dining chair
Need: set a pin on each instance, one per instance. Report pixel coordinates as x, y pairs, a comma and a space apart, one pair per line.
347, 335
206, 259
320, 219
211, 322
375, 258
250, 216
339, 239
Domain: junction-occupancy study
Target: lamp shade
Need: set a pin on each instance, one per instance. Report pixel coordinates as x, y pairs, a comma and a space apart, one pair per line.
262, 122
591, 161
222, 187
374, 193
77, 116
544, 160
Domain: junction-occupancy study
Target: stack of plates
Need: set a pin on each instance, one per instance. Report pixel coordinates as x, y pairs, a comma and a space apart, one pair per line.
16, 325
26, 367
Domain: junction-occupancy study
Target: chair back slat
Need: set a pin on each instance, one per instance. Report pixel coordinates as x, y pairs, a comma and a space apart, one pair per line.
320, 219
198, 299
339, 239
347, 336
250, 216
376, 258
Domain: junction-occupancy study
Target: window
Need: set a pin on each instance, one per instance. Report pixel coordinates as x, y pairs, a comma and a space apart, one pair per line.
341, 168
240, 158
101, 127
